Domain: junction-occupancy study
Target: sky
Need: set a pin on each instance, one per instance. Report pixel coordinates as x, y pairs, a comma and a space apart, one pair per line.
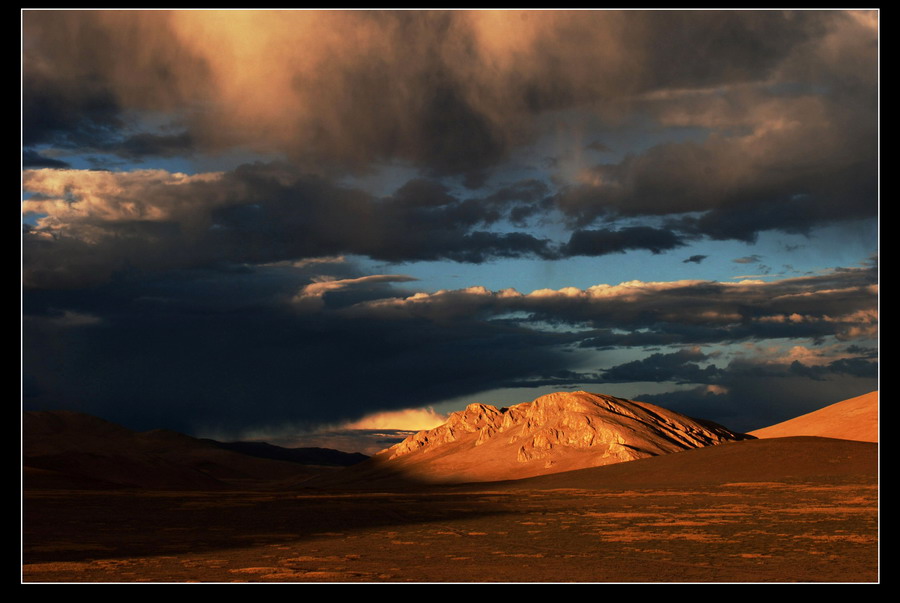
251, 223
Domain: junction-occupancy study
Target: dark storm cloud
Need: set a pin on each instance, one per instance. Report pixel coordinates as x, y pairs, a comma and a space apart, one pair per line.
603, 242
99, 223
728, 408
787, 103
751, 397
863, 352
518, 202
680, 367
599, 147
207, 349
749, 392
162, 299
83, 115
79, 111
737, 200
788, 152
694, 259
452, 91
68, 113
744, 394
157, 145
840, 304
855, 367
33, 159
83, 70
102, 222
655, 333
317, 342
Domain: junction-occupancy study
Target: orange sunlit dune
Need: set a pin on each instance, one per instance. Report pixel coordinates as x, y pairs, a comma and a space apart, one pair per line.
853, 419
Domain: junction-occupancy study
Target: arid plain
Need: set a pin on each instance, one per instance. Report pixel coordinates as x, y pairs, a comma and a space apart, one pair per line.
800, 504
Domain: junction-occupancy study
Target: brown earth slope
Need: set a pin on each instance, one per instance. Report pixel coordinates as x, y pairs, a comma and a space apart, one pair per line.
853, 419
798, 458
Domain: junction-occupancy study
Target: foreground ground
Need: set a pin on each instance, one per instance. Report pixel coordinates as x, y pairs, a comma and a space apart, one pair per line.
787, 531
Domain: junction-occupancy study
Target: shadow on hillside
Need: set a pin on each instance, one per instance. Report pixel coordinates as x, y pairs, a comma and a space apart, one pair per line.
776, 459
79, 525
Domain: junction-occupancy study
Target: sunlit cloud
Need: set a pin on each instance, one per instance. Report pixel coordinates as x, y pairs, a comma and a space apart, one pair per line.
69, 197
786, 301
411, 419
311, 297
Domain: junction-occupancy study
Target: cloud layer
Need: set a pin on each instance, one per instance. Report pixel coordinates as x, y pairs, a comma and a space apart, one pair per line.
224, 210
237, 350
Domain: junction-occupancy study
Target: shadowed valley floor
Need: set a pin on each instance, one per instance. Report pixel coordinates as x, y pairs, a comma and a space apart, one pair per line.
103, 504
797, 520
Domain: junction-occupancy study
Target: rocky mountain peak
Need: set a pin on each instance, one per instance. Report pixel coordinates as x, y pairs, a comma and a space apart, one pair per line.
553, 429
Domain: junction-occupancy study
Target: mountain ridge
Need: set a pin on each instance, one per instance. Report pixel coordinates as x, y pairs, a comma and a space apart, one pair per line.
70, 449
580, 412
561, 431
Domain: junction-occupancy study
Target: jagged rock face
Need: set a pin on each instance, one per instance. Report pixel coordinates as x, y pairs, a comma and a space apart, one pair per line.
474, 418
559, 431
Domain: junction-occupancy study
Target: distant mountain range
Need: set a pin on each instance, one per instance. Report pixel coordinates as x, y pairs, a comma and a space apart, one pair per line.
71, 449
562, 438
325, 457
